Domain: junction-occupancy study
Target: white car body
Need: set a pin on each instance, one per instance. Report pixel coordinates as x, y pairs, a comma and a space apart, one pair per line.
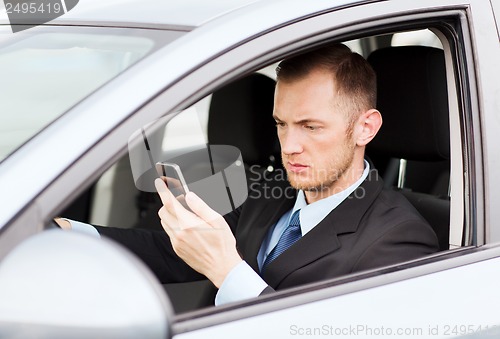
450, 294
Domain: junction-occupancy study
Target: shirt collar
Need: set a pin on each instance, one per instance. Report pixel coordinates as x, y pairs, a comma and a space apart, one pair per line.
312, 214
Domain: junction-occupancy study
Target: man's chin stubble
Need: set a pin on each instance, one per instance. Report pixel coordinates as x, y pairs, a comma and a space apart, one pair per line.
318, 187
314, 188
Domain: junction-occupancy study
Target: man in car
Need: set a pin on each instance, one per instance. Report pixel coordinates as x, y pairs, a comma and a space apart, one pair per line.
339, 220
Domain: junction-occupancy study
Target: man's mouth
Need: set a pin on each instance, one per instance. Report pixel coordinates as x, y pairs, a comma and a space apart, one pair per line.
296, 167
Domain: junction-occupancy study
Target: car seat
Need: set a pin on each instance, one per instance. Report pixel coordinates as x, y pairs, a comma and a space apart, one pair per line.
414, 138
240, 114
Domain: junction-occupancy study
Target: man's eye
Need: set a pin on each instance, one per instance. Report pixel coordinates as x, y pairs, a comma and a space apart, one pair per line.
280, 124
311, 128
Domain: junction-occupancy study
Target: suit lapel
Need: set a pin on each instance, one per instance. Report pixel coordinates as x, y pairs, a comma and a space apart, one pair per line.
323, 239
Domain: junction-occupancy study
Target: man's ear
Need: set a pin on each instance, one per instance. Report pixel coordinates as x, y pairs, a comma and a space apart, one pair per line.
368, 125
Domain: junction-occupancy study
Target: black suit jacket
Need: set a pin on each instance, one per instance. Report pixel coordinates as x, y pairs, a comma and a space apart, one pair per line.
373, 227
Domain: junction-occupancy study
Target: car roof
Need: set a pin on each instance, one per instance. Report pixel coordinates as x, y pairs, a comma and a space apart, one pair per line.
185, 14
172, 14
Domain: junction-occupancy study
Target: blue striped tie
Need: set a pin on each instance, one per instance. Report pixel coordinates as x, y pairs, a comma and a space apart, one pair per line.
291, 234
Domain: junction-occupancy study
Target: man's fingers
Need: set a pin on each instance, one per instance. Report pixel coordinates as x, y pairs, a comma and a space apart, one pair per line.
200, 208
178, 215
163, 192
63, 223
170, 232
169, 220
169, 201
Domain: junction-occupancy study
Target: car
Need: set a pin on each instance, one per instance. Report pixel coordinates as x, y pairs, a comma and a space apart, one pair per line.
88, 99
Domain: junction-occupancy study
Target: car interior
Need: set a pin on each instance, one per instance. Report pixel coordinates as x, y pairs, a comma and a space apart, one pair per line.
411, 152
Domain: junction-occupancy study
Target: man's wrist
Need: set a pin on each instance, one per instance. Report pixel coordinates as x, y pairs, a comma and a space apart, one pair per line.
222, 273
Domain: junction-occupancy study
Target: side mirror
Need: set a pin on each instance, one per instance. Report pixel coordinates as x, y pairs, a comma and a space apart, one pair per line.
60, 284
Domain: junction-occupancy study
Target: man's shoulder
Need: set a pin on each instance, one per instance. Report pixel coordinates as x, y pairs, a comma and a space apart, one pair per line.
392, 224
382, 202
393, 205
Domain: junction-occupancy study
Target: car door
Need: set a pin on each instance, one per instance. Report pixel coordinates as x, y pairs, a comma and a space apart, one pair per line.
388, 301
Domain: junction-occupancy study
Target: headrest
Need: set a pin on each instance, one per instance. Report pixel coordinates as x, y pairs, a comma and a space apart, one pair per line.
413, 100
241, 115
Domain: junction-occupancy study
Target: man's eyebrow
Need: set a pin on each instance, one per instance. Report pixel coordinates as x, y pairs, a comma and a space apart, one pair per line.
307, 121
303, 121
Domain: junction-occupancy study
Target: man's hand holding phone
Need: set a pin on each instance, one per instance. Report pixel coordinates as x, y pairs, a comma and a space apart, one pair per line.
181, 197
200, 236
173, 177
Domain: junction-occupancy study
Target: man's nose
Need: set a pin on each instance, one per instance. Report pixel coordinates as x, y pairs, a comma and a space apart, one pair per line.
290, 142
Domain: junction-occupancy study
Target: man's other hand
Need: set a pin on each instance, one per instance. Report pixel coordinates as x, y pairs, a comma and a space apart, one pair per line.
63, 223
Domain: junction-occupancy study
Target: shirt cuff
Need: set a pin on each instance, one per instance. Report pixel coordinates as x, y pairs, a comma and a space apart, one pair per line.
241, 283
83, 228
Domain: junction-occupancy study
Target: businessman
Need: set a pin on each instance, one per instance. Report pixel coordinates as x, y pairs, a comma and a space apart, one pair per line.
339, 220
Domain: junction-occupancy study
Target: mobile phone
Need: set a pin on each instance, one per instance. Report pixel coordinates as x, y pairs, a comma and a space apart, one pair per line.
172, 175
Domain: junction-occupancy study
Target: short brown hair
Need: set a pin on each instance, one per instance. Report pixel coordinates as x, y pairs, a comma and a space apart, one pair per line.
354, 78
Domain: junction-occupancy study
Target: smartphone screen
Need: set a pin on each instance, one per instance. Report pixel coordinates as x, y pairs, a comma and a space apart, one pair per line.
172, 175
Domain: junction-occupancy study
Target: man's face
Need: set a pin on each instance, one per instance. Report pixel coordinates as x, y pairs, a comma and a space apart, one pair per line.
317, 146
